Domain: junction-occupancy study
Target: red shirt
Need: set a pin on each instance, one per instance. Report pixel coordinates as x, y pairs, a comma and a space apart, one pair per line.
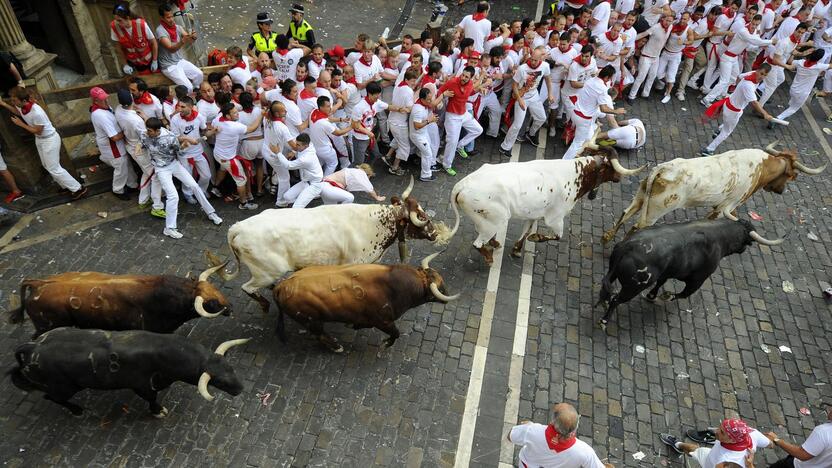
456, 104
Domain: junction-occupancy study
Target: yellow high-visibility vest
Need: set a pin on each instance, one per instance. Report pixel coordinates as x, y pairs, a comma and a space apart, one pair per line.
262, 44
299, 33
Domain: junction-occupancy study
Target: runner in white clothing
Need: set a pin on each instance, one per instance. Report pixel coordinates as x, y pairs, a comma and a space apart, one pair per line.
337, 186
229, 133
524, 86
286, 59
735, 443
322, 131
403, 99
681, 35
625, 134
132, 124
806, 74
277, 139
190, 126
816, 451
109, 139
648, 64
476, 26
311, 175
591, 102
778, 57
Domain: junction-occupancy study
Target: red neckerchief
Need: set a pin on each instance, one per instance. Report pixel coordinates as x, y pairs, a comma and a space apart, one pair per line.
275, 119
317, 62
583, 42
367, 99
368, 64
317, 115
426, 79
249, 110
96, 107
145, 98
578, 61
387, 64
609, 38
678, 28
235, 99
751, 77
462, 56
728, 12
304, 94
794, 38
491, 36
27, 107
240, 64
172, 31
562, 445
579, 23
669, 26
567, 47
424, 104
169, 101
478, 16
223, 119
529, 64
809, 63
351, 80
711, 23
738, 446
403, 83
768, 7
282, 51
191, 117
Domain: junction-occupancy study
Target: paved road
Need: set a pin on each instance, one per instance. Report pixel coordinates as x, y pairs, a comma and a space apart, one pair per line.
524, 329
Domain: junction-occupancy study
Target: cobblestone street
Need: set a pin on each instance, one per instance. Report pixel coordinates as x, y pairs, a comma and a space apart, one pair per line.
741, 345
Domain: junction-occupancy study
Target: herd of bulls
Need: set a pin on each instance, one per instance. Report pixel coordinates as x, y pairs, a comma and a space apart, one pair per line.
101, 331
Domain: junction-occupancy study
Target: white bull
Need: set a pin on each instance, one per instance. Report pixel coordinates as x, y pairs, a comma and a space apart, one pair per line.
275, 242
722, 182
533, 190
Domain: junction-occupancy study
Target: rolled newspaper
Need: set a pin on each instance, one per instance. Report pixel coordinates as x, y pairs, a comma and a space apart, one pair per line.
780, 122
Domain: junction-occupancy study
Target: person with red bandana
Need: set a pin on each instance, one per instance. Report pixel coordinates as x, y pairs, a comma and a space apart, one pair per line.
778, 57
229, 133
240, 70
476, 26
110, 141
648, 63
694, 59
403, 98
582, 68
526, 80
732, 107
721, 33
189, 126
806, 75
316, 62
322, 131
555, 445
138, 47
735, 441
681, 36
173, 38
286, 58
560, 58
591, 102
458, 89
146, 102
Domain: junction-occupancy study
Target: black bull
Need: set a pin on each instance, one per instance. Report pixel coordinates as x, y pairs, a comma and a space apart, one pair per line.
689, 252
64, 361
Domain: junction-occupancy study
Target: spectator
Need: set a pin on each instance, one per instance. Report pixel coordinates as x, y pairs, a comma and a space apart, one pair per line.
734, 441
816, 451
14, 191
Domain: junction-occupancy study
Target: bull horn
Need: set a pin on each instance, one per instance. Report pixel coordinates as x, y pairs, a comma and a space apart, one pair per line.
435, 290
763, 240
426, 261
207, 273
225, 346
623, 170
414, 218
590, 144
808, 170
202, 386
200, 308
727, 213
409, 189
771, 148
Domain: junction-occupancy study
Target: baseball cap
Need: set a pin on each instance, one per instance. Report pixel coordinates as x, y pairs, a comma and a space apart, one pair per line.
336, 51
98, 93
124, 97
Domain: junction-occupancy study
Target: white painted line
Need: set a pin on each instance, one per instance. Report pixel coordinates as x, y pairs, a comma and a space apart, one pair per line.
816, 128
472, 398
521, 330
539, 13
15, 230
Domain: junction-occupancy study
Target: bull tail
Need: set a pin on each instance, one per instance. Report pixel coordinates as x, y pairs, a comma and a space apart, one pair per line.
454, 205
16, 373
648, 191
17, 315
281, 325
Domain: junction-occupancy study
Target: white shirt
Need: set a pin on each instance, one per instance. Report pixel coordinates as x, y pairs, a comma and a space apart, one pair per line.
743, 94
624, 6
190, 129
277, 134
169, 108
420, 114
676, 42
476, 30
366, 115
562, 62
240, 75
629, 38
601, 12
579, 73
286, 64
608, 47
363, 73
307, 162
743, 39
657, 37
320, 133
357, 181
154, 109
133, 126
105, 125
591, 97
37, 116
228, 138
723, 23
307, 103
720, 454
246, 118
293, 118
649, 16
805, 77
529, 78
403, 96
536, 451
208, 110
818, 444
700, 28
315, 69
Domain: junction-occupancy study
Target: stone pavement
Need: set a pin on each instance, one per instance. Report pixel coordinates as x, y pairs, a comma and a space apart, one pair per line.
660, 368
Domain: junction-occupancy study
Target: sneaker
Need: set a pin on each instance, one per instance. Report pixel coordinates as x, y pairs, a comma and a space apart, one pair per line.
702, 437
216, 192
146, 204
521, 138
704, 102
450, 171
607, 142
158, 213
121, 196
829, 119
189, 199
671, 441
273, 190
247, 206
215, 218
80, 193
629, 100
396, 171
506, 153
462, 153
435, 168
553, 131
428, 179
13, 196
706, 152
666, 99
714, 134
680, 97
533, 139
281, 203
172, 233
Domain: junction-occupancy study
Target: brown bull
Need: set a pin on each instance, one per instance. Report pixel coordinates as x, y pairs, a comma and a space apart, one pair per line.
90, 299
363, 295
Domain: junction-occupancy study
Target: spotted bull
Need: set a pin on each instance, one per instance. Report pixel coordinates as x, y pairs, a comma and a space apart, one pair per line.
64, 361
157, 303
689, 252
533, 190
363, 296
275, 242
721, 182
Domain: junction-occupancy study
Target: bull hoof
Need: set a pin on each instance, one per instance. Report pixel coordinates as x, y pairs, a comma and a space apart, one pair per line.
162, 413
494, 243
338, 349
603, 324
593, 193
487, 254
649, 297
608, 236
517, 252
667, 296
389, 342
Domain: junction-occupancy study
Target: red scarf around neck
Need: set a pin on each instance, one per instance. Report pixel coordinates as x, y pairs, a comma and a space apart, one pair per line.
27, 107
282, 51
809, 63
240, 64
609, 38
145, 99
561, 445
478, 16
678, 28
578, 61
172, 31
752, 77
317, 115
191, 117
366, 63
425, 104
96, 107
794, 38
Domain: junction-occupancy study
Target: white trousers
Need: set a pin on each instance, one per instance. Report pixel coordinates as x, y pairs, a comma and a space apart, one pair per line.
775, 78
729, 68
535, 106
282, 175
49, 150
583, 132
184, 73
166, 175
648, 67
303, 192
401, 140
713, 54
491, 105
123, 173
199, 165
625, 137
796, 101
149, 187
729, 123
328, 159
454, 123
669, 66
435, 140
426, 153
332, 195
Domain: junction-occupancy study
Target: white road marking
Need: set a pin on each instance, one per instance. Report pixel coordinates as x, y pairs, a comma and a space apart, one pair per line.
539, 13
472, 398
815, 128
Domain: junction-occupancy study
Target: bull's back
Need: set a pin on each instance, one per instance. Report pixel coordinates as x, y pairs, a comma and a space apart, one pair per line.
706, 181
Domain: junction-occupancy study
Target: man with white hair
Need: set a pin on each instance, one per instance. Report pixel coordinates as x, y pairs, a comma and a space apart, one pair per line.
555, 444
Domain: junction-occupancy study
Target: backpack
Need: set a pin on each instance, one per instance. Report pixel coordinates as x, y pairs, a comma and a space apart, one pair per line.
217, 57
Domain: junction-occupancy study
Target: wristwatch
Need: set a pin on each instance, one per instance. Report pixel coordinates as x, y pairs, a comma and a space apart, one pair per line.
776, 439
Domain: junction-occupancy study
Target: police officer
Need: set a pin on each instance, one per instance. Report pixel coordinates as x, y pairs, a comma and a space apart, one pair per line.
264, 39
299, 29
